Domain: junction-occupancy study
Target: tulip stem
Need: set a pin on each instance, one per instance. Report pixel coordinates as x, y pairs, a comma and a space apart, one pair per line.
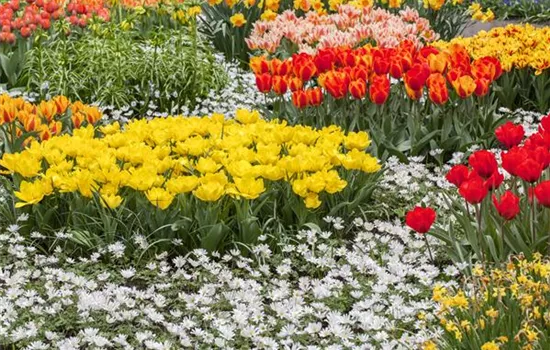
429, 250
480, 234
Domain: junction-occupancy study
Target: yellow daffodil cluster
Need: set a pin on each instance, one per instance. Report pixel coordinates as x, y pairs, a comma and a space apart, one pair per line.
521, 289
209, 157
20, 117
516, 46
477, 13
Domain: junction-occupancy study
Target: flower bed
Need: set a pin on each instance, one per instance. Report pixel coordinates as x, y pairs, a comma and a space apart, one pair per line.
350, 27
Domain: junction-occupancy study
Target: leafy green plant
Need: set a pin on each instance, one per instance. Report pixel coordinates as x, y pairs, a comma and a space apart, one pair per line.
168, 68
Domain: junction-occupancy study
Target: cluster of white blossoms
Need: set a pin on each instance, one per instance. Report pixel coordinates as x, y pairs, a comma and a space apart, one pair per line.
318, 292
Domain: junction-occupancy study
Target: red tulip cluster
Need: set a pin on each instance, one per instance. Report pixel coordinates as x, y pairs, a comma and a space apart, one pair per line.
525, 160
25, 18
343, 72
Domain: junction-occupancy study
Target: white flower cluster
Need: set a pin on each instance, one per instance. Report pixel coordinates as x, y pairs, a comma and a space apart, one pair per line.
318, 292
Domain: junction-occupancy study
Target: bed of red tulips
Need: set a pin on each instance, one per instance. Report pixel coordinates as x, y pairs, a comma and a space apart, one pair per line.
502, 209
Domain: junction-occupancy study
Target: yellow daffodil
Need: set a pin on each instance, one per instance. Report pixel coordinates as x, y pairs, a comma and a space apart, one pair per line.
237, 20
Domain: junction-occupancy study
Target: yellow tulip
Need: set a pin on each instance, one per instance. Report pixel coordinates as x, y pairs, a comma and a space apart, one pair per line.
159, 197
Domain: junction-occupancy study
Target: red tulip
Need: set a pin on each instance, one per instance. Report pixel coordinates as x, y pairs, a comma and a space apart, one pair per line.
529, 170
458, 174
263, 82
512, 159
416, 77
324, 60
381, 65
483, 162
473, 190
494, 182
542, 192
507, 206
510, 134
482, 87
379, 89
420, 219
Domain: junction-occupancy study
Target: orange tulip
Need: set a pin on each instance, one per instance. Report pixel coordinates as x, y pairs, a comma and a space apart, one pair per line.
305, 69
437, 88
47, 109
358, 89
336, 84
8, 113
412, 93
279, 85
294, 83
464, 86
77, 119
299, 98
314, 96
56, 127
438, 63
259, 65
61, 103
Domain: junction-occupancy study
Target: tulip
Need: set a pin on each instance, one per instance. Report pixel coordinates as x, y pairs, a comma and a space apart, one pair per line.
381, 65
259, 65
263, 82
542, 193
483, 162
512, 159
299, 98
438, 63
358, 89
314, 96
473, 190
279, 85
396, 68
494, 182
294, 83
416, 77
360, 73
420, 219
336, 84
458, 174
305, 70
437, 89
529, 170
541, 155
510, 134
507, 206
413, 94
379, 89
324, 61
464, 86
482, 87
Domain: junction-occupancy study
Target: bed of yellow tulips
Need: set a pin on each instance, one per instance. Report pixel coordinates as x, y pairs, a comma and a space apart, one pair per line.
199, 160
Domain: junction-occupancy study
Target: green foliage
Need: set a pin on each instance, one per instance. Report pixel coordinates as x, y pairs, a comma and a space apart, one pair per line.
522, 88
532, 11
168, 68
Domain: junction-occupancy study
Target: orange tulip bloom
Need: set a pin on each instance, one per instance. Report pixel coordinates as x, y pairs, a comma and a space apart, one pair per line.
437, 88
259, 65
464, 86
299, 98
314, 96
358, 89
279, 85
